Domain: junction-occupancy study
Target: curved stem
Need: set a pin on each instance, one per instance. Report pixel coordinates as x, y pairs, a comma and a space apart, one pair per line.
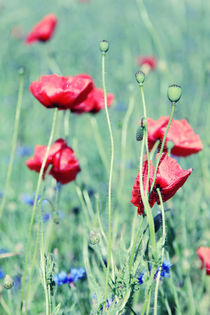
162, 252
110, 181
162, 145
123, 143
14, 141
35, 204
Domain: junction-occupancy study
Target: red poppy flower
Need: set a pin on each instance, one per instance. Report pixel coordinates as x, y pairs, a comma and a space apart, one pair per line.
136, 195
61, 158
93, 103
150, 61
43, 30
186, 142
62, 92
170, 177
204, 255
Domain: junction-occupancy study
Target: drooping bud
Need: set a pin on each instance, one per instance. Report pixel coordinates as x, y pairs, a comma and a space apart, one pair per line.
104, 46
140, 133
8, 282
174, 93
94, 238
56, 218
140, 77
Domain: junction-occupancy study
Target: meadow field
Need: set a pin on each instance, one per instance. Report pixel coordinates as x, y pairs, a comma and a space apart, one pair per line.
74, 243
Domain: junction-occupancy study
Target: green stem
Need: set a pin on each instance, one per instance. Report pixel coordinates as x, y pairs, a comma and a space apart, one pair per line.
110, 182
35, 205
146, 135
14, 141
123, 143
43, 266
134, 245
173, 105
99, 142
66, 124
162, 252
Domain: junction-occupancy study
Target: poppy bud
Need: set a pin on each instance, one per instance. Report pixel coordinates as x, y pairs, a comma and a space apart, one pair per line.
174, 93
8, 282
140, 76
94, 238
56, 218
140, 133
104, 46
21, 71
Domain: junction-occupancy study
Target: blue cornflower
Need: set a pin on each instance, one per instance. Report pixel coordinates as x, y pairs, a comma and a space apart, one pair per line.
165, 270
108, 303
2, 274
60, 278
46, 216
76, 274
27, 199
140, 278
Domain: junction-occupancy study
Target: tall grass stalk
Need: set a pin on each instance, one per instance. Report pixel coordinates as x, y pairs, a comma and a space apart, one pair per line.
35, 207
14, 140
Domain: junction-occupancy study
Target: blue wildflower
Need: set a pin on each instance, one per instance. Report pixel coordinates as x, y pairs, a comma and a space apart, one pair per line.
140, 278
45, 217
2, 274
76, 274
165, 270
60, 278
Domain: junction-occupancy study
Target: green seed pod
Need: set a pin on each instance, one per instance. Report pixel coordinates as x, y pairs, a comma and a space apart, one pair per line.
140, 77
94, 238
104, 46
8, 282
140, 133
174, 93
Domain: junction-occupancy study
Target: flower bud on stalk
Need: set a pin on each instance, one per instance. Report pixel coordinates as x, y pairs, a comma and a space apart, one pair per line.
8, 282
94, 238
140, 77
140, 131
174, 93
104, 46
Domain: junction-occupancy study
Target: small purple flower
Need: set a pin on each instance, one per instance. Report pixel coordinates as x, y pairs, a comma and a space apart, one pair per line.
45, 217
108, 303
165, 270
76, 274
2, 274
140, 278
60, 278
